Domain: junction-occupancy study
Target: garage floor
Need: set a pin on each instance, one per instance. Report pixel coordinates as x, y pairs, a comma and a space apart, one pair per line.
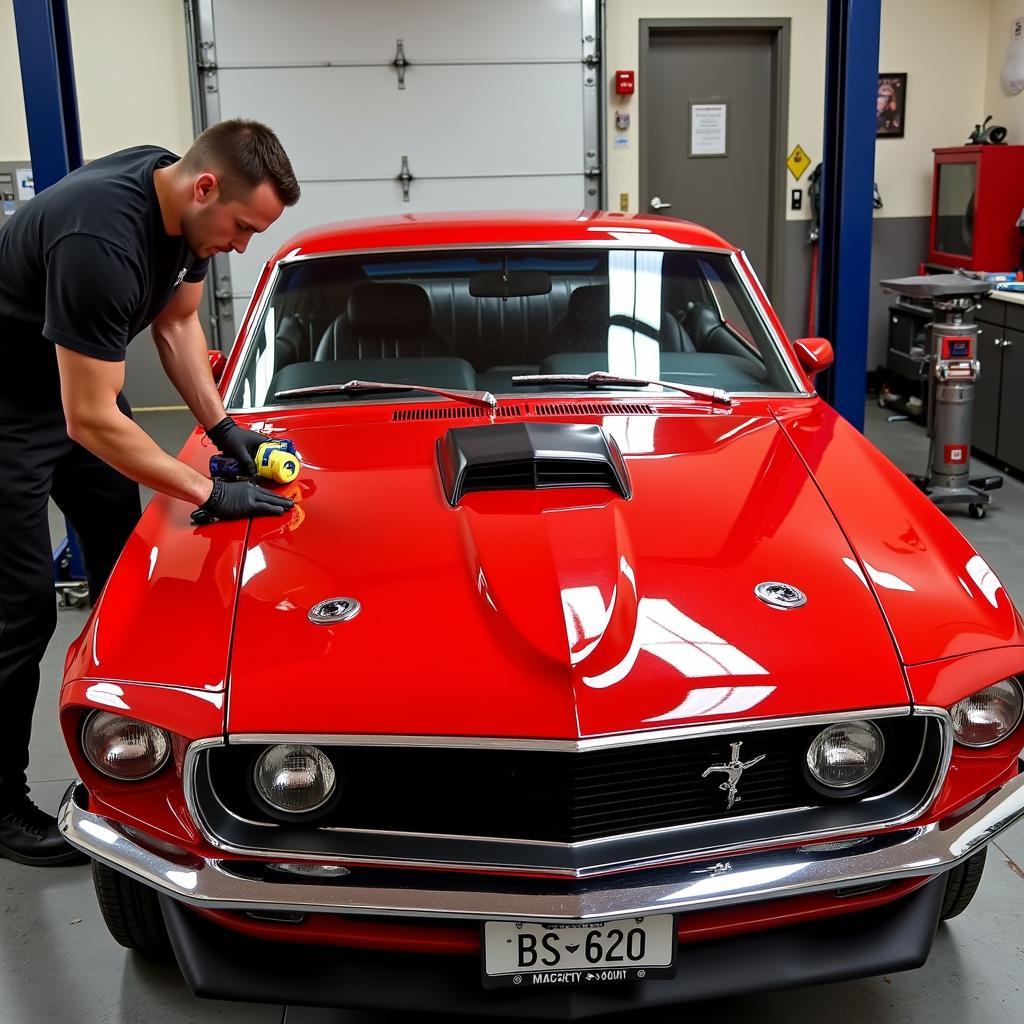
58, 963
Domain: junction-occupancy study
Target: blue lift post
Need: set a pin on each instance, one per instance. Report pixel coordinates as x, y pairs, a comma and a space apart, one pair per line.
55, 142
847, 180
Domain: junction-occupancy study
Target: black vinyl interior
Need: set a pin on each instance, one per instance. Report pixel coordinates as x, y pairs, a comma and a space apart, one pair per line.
433, 331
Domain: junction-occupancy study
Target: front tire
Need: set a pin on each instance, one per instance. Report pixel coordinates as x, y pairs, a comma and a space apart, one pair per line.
131, 912
962, 884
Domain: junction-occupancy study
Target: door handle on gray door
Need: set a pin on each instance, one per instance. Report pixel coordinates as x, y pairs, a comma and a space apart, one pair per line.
657, 204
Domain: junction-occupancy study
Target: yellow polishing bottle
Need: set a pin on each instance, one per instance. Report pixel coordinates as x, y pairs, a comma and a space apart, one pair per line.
275, 461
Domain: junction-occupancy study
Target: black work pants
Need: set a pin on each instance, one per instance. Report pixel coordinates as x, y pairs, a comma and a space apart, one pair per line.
38, 460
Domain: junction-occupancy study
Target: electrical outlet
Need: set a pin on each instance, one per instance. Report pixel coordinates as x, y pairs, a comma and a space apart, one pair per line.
796, 199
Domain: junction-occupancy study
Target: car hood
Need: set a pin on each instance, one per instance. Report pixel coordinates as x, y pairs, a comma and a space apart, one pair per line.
553, 613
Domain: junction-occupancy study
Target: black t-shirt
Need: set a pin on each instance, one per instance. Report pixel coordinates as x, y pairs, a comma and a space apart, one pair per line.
87, 263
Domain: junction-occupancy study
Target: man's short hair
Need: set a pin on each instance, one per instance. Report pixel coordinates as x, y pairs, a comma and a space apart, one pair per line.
243, 154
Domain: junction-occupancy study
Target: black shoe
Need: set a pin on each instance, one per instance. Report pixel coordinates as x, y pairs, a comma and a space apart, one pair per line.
30, 836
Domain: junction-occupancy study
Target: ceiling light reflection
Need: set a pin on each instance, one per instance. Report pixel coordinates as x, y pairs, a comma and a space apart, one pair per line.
885, 580
985, 579
706, 701
109, 694
663, 630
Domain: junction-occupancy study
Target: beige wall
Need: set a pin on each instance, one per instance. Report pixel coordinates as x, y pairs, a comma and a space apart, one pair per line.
13, 134
942, 45
131, 75
1005, 110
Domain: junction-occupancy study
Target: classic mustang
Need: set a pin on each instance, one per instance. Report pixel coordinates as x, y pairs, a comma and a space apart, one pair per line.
599, 665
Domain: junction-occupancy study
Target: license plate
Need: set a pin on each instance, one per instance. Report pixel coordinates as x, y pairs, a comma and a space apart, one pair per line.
526, 954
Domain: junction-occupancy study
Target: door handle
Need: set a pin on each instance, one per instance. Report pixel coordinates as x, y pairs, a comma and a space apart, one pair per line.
658, 204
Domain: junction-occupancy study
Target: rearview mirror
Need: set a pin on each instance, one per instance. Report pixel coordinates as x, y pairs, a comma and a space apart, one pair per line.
814, 354
509, 284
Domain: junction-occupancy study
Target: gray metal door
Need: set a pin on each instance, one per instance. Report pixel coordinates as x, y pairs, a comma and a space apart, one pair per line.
712, 125
401, 106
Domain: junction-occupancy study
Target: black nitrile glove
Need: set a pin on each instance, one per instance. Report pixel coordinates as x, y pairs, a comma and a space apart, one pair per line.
237, 442
239, 500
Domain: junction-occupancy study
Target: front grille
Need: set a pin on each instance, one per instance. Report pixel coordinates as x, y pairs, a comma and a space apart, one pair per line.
557, 797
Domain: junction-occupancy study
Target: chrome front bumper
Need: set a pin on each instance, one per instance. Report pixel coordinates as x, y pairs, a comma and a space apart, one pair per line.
917, 852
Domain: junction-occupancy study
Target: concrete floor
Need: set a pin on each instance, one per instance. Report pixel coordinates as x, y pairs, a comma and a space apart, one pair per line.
57, 961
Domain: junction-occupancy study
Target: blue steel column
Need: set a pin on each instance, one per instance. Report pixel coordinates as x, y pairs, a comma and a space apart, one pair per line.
55, 144
48, 84
848, 170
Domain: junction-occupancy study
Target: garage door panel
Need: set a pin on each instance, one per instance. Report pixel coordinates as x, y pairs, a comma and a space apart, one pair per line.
327, 135
325, 202
267, 32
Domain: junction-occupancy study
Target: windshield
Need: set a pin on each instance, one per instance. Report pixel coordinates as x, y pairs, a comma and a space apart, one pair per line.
476, 319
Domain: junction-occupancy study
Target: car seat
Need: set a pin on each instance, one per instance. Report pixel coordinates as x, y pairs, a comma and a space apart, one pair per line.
384, 321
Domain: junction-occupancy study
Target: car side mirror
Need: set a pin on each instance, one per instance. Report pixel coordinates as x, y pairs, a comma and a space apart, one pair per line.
218, 363
814, 354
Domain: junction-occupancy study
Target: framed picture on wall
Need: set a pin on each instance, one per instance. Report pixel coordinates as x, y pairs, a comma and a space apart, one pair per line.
891, 106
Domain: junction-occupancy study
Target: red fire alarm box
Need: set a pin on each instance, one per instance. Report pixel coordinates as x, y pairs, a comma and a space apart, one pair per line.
624, 83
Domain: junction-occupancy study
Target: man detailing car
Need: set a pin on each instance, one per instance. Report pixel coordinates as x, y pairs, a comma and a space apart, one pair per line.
116, 246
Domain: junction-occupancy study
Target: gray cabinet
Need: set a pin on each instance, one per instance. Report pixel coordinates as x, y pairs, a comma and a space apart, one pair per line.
1010, 442
998, 414
985, 429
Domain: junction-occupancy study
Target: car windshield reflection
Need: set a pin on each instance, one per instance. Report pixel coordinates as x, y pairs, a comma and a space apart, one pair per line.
483, 320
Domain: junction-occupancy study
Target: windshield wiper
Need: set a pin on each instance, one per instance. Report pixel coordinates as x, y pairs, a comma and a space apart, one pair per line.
355, 387
599, 379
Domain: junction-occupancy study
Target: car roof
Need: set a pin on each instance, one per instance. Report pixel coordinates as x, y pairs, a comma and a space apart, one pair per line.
518, 227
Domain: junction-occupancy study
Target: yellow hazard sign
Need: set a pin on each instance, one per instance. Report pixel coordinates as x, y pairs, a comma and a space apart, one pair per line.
798, 162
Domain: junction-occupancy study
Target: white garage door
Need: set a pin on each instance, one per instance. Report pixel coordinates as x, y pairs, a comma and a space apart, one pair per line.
482, 104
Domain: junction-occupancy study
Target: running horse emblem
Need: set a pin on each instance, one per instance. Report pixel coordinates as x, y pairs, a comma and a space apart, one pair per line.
733, 773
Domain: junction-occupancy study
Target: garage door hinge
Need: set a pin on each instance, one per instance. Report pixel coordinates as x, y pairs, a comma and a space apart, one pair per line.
593, 172
207, 65
592, 60
400, 63
206, 62
405, 177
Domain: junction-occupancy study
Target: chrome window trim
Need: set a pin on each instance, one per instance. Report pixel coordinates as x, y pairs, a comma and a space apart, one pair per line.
255, 314
192, 761
741, 263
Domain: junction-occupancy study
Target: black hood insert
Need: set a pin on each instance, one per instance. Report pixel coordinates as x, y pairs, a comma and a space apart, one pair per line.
529, 456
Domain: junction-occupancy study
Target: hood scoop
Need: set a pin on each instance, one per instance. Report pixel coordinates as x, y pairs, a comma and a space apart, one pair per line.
529, 456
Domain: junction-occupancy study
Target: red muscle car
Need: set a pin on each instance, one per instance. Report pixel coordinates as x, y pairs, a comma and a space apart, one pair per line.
599, 665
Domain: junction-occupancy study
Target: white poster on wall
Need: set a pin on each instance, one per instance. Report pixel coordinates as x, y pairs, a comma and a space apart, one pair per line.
708, 129
1013, 67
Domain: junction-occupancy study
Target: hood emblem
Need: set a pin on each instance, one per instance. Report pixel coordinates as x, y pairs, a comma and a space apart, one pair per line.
334, 609
780, 595
733, 773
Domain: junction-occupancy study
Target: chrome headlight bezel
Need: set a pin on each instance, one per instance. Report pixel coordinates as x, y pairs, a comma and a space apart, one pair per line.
1012, 681
856, 787
284, 814
97, 719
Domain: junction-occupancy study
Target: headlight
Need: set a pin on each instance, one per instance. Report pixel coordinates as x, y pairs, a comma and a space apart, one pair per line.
295, 778
846, 754
989, 715
124, 748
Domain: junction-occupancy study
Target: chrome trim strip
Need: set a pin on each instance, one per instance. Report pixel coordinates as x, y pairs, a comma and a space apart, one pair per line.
574, 243
756, 877
597, 866
604, 742
740, 262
